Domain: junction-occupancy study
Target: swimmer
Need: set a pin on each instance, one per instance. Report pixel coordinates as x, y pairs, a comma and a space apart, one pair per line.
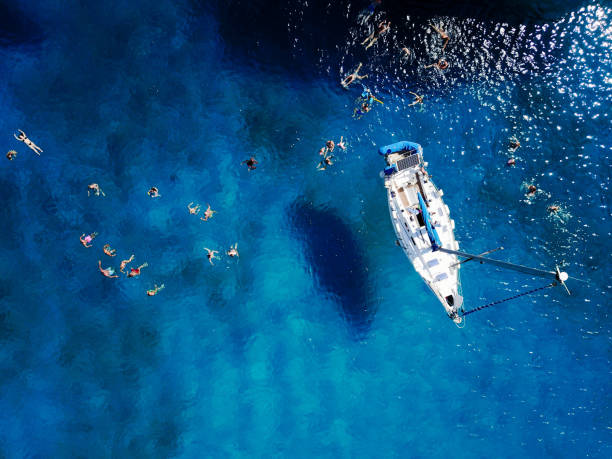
136, 271
95, 188
125, 262
154, 291
553, 209
514, 144
360, 111
85, 240
233, 250
108, 251
208, 213
251, 162
442, 34
341, 144
11, 154
154, 192
108, 272
511, 162
325, 162
440, 65
24, 138
406, 54
417, 99
531, 190
352, 77
211, 255
382, 28
330, 145
193, 210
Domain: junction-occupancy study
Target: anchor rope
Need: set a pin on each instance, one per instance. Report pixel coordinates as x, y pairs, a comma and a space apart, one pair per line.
529, 292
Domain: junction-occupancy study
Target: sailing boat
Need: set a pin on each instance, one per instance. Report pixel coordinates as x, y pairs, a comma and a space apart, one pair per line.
424, 230
422, 223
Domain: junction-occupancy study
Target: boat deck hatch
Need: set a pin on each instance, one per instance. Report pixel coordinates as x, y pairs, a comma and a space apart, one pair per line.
450, 300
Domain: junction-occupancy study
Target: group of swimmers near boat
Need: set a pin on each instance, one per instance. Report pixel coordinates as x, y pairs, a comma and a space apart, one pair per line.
94, 189
366, 101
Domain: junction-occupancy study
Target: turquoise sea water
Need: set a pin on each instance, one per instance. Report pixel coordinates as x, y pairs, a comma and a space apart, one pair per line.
321, 339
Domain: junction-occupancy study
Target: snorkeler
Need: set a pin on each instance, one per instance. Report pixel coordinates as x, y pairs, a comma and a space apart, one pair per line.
211, 255
511, 162
85, 240
208, 213
417, 99
553, 209
108, 272
341, 144
193, 210
24, 138
154, 291
326, 161
233, 250
11, 154
382, 28
136, 271
358, 112
251, 163
440, 65
95, 188
531, 190
442, 34
352, 77
330, 145
514, 143
108, 251
154, 192
125, 262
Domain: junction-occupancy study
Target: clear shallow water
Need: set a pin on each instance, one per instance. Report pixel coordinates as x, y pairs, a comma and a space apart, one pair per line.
321, 339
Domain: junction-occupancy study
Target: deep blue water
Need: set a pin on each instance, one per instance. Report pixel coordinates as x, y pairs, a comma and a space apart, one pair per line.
321, 339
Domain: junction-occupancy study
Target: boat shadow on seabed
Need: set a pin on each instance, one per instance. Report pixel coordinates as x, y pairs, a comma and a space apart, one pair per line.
336, 260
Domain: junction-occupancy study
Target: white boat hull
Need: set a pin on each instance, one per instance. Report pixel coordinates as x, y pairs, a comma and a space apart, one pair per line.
439, 270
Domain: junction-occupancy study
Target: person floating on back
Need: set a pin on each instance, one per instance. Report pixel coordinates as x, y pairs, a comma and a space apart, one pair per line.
95, 189
107, 272
154, 291
193, 210
417, 99
22, 137
352, 77
442, 34
382, 28
211, 255
86, 240
208, 213
124, 263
